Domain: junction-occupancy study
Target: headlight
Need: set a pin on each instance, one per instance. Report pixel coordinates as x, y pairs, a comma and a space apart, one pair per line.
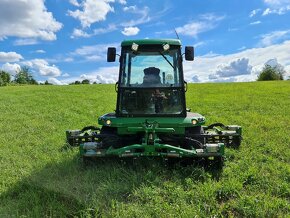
108, 122
212, 148
194, 122
166, 47
134, 47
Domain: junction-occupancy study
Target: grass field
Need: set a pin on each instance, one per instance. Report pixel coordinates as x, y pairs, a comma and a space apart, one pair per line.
39, 177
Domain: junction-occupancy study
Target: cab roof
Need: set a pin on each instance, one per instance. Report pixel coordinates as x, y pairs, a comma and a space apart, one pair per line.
151, 42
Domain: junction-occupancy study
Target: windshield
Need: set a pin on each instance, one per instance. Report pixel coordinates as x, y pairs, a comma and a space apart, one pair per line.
148, 68
160, 101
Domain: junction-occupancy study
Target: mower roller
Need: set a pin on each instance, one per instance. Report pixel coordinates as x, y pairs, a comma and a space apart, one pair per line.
151, 118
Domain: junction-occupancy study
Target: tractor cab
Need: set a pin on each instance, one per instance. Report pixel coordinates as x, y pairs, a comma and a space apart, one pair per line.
151, 79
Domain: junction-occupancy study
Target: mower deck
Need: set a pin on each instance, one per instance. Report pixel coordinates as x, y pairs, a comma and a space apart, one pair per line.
152, 140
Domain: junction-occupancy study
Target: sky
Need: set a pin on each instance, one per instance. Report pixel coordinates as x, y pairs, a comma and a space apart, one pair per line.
62, 41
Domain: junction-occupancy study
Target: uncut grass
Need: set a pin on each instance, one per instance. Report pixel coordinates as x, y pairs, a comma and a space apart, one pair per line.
39, 177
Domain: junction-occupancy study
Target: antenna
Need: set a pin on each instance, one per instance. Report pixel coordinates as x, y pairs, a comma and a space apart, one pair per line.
176, 33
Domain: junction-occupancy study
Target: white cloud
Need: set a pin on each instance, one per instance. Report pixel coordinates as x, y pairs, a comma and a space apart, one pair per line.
205, 23
94, 52
68, 59
28, 41
65, 75
42, 67
195, 79
267, 11
255, 23
234, 68
130, 31
274, 37
10, 56
206, 67
55, 81
143, 14
77, 33
199, 44
92, 11
279, 11
75, 3
193, 28
27, 19
103, 75
89, 50
132, 8
254, 12
40, 51
11, 68
88, 77
212, 77
276, 7
122, 2
242, 48
225, 80
109, 28
277, 3
272, 62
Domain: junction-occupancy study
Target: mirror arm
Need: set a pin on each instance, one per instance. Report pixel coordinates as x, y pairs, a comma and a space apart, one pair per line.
185, 86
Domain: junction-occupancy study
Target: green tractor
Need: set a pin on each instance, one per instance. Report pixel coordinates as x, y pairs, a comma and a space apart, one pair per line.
151, 118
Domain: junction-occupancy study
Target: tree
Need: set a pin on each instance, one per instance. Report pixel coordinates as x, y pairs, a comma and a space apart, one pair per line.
86, 81
271, 73
23, 76
5, 78
47, 83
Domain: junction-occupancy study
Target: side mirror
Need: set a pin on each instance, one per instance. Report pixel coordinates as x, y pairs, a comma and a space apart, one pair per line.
111, 54
189, 53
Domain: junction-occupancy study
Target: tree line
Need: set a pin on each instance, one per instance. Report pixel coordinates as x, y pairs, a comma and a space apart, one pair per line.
23, 76
85, 81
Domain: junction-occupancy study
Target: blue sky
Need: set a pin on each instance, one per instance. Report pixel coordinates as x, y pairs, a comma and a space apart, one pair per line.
66, 40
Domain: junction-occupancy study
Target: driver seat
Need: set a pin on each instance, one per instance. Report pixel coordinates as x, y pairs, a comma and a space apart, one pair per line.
151, 76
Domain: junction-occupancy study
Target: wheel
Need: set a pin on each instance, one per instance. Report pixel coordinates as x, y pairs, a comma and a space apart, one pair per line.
87, 161
194, 138
110, 137
216, 163
236, 141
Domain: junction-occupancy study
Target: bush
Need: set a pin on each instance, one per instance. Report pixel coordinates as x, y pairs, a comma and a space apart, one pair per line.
86, 81
271, 73
5, 78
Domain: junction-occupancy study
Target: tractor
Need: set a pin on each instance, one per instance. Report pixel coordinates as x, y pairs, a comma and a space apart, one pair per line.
151, 118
